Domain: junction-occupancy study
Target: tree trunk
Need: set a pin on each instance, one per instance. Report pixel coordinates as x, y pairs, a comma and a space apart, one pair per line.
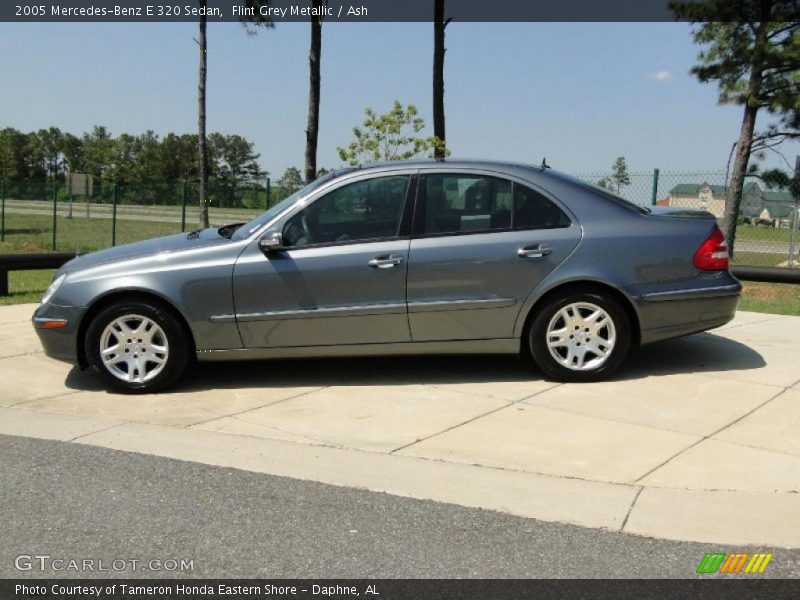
312, 129
734, 198
438, 75
744, 145
202, 145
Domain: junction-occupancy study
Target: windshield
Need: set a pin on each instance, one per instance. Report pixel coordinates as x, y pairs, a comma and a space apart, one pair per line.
248, 228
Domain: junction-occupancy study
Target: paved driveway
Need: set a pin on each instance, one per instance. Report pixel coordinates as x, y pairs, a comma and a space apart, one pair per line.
696, 439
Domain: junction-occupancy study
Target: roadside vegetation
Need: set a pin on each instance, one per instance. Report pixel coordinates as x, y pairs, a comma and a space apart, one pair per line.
776, 298
34, 233
26, 286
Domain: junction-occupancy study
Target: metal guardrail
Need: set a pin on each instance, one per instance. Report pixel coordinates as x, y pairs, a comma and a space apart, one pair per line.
53, 260
29, 262
766, 274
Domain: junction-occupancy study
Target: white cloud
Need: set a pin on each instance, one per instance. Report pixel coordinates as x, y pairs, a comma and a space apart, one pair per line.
661, 77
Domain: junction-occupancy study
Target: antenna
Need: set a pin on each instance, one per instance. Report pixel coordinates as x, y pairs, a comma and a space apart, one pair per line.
544, 164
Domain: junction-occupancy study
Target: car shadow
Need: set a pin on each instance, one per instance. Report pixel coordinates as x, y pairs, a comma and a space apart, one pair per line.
699, 353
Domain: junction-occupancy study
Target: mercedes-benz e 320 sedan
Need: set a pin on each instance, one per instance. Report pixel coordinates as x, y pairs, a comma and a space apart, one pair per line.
401, 258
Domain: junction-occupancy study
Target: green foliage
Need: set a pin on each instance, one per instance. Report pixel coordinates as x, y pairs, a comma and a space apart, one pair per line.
98, 151
391, 136
732, 55
751, 49
605, 183
619, 173
145, 158
290, 181
777, 178
21, 155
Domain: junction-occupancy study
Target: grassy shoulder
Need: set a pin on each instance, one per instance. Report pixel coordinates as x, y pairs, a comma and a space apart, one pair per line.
34, 233
26, 286
758, 259
762, 234
775, 298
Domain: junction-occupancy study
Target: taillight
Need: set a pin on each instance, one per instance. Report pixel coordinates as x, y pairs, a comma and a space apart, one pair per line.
712, 255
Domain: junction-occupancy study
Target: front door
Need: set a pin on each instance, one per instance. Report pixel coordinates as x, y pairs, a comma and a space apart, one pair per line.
340, 277
481, 244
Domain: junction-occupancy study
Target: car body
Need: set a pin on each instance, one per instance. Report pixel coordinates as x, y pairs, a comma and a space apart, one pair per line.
428, 256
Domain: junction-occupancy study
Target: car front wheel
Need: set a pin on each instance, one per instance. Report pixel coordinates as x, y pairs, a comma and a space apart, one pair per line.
137, 347
580, 337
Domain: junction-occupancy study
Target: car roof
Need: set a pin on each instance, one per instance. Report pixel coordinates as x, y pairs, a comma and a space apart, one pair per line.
448, 162
532, 173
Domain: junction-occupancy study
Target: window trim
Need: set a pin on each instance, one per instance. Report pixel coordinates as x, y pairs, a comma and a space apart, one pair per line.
418, 224
404, 228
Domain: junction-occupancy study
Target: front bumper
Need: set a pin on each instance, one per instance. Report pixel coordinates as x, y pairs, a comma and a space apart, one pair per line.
60, 342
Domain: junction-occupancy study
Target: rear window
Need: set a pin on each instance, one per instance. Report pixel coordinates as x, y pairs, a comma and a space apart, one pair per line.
457, 203
608, 195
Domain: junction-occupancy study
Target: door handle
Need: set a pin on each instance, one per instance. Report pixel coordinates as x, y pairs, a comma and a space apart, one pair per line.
385, 262
534, 251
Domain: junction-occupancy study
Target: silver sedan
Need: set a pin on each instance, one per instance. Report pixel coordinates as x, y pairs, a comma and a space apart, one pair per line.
403, 258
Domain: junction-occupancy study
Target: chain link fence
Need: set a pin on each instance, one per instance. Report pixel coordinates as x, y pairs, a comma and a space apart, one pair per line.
41, 216
766, 233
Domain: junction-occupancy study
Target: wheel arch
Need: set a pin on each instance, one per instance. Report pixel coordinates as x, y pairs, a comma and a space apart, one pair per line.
114, 296
581, 286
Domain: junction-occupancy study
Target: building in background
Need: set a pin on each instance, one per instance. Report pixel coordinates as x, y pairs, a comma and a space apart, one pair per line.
762, 207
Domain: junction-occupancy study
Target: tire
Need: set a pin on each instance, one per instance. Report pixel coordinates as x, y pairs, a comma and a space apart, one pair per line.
573, 354
116, 333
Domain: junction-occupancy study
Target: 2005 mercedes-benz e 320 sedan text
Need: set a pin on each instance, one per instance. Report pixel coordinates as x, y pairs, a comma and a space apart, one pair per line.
400, 258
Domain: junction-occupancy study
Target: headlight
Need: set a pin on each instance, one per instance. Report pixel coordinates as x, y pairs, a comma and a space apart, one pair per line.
53, 287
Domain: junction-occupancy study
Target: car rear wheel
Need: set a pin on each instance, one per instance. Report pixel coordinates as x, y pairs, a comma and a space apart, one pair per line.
580, 337
137, 347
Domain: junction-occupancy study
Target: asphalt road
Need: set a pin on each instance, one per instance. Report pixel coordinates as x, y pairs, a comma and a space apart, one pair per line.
80, 502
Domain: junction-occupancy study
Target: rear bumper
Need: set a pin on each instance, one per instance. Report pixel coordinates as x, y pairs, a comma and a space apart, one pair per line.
674, 313
60, 342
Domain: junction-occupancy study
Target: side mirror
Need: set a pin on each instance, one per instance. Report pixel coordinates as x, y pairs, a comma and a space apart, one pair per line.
271, 241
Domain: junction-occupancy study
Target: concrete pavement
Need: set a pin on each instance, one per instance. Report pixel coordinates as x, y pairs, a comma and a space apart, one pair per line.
696, 439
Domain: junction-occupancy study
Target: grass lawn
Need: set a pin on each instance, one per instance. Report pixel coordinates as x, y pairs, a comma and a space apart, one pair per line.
776, 298
762, 234
34, 233
26, 286
758, 259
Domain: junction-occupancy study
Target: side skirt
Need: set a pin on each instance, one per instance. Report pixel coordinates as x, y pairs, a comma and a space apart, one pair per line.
499, 346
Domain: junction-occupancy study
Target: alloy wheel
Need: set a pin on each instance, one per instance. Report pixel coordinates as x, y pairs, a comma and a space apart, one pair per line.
581, 336
134, 348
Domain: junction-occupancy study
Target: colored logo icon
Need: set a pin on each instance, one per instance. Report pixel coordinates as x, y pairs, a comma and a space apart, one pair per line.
734, 563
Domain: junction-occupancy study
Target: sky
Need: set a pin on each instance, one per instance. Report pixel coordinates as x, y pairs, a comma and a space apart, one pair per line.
579, 94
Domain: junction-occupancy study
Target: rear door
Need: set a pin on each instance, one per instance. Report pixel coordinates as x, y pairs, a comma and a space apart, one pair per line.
480, 244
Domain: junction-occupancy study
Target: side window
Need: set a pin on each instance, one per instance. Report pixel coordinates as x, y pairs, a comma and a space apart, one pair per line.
367, 209
534, 211
458, 203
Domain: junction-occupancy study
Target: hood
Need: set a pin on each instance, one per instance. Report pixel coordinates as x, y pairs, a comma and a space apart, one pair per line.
160, 245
